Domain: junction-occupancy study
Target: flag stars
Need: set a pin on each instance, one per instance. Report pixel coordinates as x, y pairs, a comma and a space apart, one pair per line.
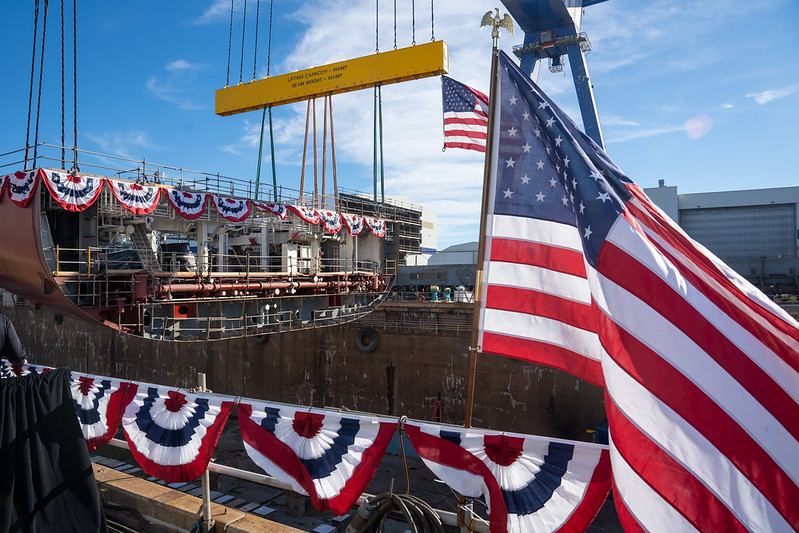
582, 208
574, 184
566, 162
510, 163
512, 132
538, 132
587, 233
525, 179
603, 196
550, 122
540, 196
553, 182
508, 193
526, 115
559, 139
512, 100
596, 175
527, 148
540, 165
542, 105
565, 200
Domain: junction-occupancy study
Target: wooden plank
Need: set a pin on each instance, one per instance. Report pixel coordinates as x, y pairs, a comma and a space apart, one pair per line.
394, 66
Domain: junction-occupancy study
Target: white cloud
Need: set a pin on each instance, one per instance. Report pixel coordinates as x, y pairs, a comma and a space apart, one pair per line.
180, 64
765, 97
219, 10
120, 143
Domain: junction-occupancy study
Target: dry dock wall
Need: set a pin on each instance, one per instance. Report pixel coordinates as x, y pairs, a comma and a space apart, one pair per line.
422, 354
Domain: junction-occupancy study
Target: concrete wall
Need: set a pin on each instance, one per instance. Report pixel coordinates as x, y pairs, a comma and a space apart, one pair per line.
422, 352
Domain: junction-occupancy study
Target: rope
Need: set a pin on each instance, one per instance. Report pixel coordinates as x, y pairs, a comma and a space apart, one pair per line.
315, 159
324, 153
382, 167
333, 157
229, 44
33, 68
75, 167
243, 29
432, 23
269, 49
63, 136
305, 149
41, 71
260, 155
255, 55
395, 24
418, 514
377, 25
413, 21
272, 146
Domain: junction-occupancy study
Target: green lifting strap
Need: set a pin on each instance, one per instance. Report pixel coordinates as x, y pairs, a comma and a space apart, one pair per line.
272, 156
378, 145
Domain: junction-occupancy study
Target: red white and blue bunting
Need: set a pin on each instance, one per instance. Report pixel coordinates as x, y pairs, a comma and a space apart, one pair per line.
329, 220
528, 483
20, 186
78, 192
8, 370
354, 223
276, 209
327, 455
231, 208
308, 214
189, 205
377, 226
71, 192
136, 198
98, 404
171, 434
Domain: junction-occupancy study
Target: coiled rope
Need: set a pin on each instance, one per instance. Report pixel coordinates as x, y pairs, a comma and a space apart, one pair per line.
417, 513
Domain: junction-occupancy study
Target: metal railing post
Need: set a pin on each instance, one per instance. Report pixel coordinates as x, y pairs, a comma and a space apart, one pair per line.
207, 524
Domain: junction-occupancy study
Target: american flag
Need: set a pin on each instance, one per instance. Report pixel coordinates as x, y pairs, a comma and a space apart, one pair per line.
701, 371
465, 116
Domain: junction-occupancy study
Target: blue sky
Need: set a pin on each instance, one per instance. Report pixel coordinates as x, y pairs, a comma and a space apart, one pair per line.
703, 94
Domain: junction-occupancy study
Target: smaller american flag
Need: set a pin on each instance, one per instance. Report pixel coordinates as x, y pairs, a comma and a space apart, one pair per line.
465, 116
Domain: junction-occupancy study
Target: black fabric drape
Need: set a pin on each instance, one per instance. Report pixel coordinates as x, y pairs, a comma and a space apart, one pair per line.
46, 478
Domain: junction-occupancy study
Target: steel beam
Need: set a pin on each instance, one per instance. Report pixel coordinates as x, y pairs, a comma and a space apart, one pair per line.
402, 64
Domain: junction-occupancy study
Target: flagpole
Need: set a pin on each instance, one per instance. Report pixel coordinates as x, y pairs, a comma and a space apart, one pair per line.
474, 347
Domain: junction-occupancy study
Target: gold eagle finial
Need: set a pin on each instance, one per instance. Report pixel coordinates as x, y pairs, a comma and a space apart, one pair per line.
496, 22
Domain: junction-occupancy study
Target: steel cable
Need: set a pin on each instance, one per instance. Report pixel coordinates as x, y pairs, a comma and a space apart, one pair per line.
33, 68
41, 69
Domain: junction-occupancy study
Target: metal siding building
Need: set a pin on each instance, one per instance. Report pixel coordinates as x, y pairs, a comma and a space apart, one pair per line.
755, 232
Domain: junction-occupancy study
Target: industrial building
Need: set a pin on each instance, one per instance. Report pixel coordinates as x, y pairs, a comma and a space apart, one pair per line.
754, 231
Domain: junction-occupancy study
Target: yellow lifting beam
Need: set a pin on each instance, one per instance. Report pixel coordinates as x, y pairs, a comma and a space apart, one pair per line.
402, 64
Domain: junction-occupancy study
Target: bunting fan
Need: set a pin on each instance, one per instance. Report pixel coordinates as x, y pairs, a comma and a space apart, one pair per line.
275, 209
308, 214
232, 209
329, 456
189, 205
21, 185
354, 223
98, 405
71, 192
136, 198
329, 220
377, 226
171, 434
529, 483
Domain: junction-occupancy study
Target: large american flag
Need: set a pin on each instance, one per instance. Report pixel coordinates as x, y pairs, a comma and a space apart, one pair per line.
465, 116
701, 371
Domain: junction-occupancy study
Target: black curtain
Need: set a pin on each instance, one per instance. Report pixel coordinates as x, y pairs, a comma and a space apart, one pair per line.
46, 478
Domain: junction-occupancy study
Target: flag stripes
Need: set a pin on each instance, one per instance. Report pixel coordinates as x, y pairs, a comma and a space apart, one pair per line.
701, 370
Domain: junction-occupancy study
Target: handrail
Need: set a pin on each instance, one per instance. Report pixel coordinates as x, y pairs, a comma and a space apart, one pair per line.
447, 517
